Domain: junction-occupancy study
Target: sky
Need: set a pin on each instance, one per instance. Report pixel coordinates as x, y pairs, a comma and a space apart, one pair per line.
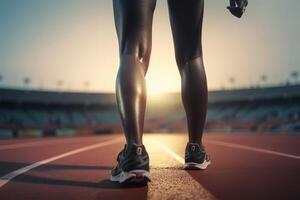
74, 42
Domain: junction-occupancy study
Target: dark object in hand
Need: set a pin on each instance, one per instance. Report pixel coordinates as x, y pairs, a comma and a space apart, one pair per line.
237, 7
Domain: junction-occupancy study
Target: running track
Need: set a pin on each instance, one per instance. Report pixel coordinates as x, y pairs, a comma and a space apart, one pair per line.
243, 167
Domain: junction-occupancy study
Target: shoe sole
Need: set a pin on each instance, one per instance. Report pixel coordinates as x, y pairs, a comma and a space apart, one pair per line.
196, 166
133, 176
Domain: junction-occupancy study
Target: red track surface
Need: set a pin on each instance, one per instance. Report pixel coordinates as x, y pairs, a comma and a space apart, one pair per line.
235, 173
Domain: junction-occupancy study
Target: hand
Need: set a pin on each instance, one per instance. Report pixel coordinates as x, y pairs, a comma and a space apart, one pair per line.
237, 7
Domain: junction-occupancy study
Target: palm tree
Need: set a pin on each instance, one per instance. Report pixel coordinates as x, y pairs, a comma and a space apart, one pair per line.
1, 78
232, 81
294, 76
263, 78
26, 81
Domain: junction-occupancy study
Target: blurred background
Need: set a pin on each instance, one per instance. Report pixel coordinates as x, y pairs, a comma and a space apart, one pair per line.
59, 61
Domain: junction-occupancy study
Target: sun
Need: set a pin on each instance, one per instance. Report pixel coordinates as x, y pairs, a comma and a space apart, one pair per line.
161, 83
155, 90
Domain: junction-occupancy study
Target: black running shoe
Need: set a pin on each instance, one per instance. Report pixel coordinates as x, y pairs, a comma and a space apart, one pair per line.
195, 157
133, 165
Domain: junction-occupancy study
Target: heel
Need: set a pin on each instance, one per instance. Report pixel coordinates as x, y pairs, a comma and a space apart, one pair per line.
135, 176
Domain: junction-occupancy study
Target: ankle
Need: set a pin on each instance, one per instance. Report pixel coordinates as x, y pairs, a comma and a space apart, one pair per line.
195, 143
134, 144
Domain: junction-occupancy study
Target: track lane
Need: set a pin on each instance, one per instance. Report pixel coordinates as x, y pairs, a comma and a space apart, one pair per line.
234, 173
8, 177
241, 174
80, 176
169, 180
280, 143
32, 142
13, 159
250, 148
85, 176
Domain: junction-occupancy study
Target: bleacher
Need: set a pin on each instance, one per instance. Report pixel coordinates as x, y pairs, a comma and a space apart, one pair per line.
274, 110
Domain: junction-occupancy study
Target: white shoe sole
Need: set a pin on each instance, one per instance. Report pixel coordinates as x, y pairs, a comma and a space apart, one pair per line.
133, 176
196, 166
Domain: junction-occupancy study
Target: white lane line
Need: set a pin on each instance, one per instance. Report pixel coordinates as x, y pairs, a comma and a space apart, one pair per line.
39, 143
185, 187
249, 148
8, 177
170, 152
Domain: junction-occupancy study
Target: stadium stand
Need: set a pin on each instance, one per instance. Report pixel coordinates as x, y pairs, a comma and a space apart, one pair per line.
46, 113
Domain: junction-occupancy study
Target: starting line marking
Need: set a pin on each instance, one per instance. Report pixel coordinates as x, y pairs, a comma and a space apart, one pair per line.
8, 177
249, 148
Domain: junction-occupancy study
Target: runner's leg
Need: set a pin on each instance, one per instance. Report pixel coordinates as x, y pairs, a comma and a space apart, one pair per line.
133, 21
186, 21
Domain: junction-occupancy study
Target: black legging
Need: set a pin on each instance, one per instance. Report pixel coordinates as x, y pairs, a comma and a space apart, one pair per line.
133, 20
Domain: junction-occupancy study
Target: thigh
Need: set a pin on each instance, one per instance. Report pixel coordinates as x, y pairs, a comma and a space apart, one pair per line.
186, 18
133, 20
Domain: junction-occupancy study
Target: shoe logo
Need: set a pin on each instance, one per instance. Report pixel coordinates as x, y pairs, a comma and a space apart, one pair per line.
193, 148
139, 151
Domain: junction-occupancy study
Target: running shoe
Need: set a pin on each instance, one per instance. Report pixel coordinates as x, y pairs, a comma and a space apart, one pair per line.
133, 165
195, 157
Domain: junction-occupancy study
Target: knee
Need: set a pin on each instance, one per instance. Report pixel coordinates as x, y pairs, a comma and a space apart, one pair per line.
139, 52
190, 62
185, 54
